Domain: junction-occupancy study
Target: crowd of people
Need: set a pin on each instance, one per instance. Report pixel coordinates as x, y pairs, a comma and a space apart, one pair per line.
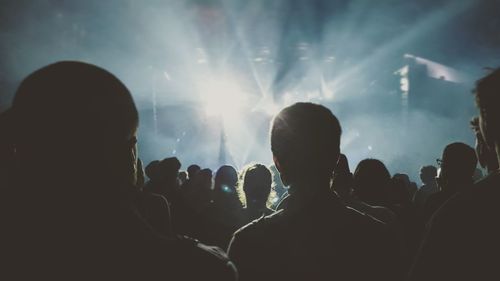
77, 201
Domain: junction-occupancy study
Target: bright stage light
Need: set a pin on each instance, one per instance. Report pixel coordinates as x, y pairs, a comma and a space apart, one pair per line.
222, 96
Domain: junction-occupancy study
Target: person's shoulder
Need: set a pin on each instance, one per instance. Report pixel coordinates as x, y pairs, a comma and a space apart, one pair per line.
485, 189
209, 254
470, 200
193, 260
261, 225
489, 184
357, 217
384, 213
153, 198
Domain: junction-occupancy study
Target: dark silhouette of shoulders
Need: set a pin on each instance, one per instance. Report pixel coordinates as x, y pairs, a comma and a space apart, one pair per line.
462, 236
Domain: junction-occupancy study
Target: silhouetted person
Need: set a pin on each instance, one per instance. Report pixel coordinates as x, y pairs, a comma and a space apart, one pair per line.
71, 214
410, 186
371, 180
256, 181
458, 165
343, 183
198, 199
163, 177
408, 222
315, 237
224, 214
399, 194
428, 177
225, 194
193, 170
200, 195
154, 208
164, 181
343, 180
462, 239
486, 156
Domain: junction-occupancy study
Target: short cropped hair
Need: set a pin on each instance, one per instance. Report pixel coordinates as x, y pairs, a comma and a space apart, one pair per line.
73, 101
305, 139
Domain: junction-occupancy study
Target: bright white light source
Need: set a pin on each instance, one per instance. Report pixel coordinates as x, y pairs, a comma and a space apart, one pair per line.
221, 96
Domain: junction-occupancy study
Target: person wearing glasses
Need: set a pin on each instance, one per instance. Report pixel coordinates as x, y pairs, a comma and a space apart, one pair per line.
455, 174
462, 240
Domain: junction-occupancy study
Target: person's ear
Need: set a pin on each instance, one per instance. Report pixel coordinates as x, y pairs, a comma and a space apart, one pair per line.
280, 169
485, 123
126, 162
277, 164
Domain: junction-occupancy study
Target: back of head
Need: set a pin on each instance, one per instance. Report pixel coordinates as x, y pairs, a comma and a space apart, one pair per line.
305, 141
256, 184
458, 162
226, 176
398, 192
371, 178
73, 113
203, 180
428, 174
152, 170
192, 170
342, 166
488, 100
169, 169
225, 193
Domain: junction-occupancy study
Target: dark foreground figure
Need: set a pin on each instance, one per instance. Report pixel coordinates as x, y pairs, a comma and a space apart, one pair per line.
315, 236
462, 242
69, 213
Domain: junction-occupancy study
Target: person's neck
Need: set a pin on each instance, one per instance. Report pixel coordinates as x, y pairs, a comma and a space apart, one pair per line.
309, 188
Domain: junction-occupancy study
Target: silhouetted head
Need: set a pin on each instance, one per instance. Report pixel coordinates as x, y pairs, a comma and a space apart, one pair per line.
488, 101
200, 190
486, 156
371, 179
342, 166
226, 179
169, 168
305, 141
398, 190
77, 117
192, 170
428, 174
203, 180
342, 178
403, 177
152, 170
458, 164
256, 182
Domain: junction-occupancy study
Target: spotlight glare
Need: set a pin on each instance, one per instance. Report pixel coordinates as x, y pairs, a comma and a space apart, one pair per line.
221, 96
